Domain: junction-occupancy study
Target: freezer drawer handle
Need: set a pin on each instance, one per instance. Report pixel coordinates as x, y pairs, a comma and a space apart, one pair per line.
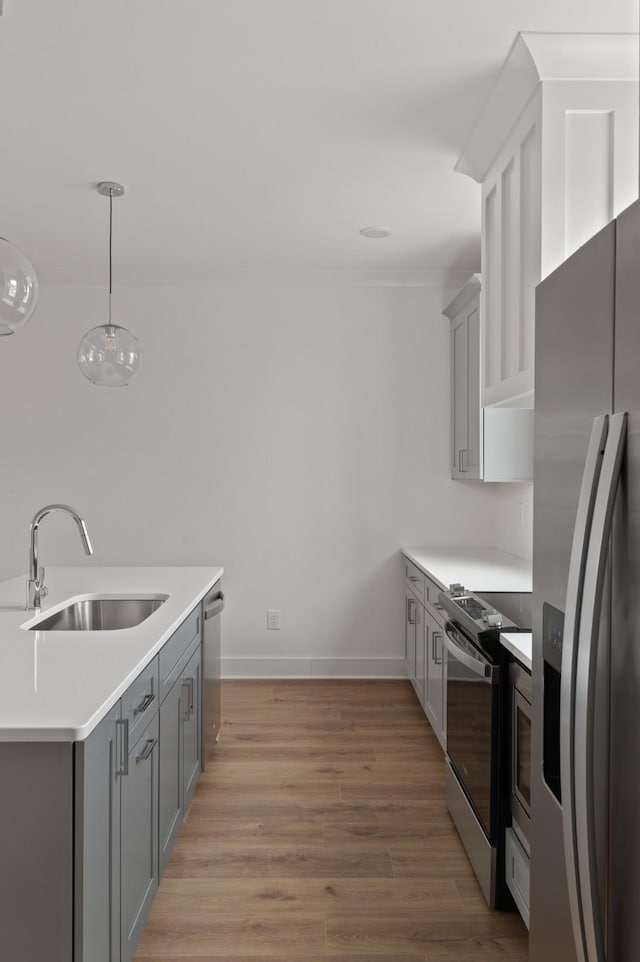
215, 608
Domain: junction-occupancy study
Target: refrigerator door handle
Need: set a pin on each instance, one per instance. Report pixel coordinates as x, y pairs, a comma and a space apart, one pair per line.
585, 690
581, 536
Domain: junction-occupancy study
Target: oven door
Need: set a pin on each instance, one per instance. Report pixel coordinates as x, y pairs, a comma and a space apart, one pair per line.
472, 716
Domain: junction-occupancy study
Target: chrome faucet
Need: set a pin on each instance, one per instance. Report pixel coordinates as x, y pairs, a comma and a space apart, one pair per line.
36, 589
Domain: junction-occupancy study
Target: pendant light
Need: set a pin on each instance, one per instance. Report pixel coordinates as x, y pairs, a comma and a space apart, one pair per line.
109, 355
18, 288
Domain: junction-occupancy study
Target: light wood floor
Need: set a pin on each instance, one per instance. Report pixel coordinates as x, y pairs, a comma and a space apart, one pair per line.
320, 831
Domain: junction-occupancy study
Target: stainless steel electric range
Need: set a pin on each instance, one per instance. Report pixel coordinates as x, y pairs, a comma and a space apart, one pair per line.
477, 786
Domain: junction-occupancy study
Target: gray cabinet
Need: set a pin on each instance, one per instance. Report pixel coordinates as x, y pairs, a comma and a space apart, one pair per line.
97, 843
82, 824
180, 749
425, 663
435, 695
170, 793
191, 726
116, 827
410, 615
138, 837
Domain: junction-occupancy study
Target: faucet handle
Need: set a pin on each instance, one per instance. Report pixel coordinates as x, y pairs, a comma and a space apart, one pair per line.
43, 591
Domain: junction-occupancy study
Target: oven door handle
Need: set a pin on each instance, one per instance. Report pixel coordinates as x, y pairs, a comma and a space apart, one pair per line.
478, 666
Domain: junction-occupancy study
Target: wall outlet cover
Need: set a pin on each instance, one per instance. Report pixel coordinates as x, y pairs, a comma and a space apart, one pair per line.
273, 619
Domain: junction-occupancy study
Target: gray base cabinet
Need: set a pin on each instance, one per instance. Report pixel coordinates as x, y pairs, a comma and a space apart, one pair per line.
97, 843
87, 828
171, 794
425, 662
191, 727
138, 838
180, 749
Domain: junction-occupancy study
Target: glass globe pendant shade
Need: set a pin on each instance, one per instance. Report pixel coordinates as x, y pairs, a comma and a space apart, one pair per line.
18, 288
109, 355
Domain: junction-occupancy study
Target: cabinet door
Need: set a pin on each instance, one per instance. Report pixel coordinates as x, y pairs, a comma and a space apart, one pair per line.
460, 392
434, 701
421, 664
191, 726
97, 844
138, 838
170, 810
465, 373
472, 461
410, 608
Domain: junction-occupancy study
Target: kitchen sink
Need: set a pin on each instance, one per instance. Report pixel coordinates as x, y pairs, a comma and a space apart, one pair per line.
101, 613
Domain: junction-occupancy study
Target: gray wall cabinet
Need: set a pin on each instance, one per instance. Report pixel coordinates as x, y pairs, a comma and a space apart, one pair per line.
85, 826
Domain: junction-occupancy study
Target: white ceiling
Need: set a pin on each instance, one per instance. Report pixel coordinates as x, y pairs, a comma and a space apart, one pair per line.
253, 134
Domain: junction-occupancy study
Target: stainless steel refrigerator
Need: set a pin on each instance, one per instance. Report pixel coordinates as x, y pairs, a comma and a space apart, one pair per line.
585, 845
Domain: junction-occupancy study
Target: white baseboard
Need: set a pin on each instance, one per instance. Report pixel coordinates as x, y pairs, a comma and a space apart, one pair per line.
313, 668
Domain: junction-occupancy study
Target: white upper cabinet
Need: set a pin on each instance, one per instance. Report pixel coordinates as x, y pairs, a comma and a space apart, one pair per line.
556, 152
488, 444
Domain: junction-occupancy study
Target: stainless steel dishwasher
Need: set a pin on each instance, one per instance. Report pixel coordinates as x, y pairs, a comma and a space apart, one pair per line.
212, 607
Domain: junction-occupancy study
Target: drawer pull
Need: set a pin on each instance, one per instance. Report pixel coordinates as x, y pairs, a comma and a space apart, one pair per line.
188, 684
411, 611
144, 704
146, 751
122, 726
413, 578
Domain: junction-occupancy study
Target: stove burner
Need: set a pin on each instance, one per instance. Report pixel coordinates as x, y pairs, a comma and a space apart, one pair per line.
470, 607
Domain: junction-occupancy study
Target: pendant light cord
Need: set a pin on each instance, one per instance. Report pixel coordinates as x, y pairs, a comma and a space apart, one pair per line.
110, 244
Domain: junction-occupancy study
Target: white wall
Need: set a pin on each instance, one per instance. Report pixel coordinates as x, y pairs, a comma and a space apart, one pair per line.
514, 519
296, 436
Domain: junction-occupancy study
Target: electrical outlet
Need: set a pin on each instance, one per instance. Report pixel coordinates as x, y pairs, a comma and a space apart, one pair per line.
273, 619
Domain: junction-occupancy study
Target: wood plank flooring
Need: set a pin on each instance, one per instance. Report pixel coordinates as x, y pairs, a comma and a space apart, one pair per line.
319, 831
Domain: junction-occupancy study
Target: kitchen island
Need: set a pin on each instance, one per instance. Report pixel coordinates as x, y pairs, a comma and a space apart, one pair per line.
100, 751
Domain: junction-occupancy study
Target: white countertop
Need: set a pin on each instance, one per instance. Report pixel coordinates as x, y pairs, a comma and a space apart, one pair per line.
519, 644
478, 569
57, 685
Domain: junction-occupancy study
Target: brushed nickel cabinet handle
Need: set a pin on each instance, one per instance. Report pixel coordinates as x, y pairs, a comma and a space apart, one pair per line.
122, 725
146, 751
144, 704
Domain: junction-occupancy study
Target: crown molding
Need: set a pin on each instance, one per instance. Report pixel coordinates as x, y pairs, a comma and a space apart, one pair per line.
463, 297
533, 59
309, 278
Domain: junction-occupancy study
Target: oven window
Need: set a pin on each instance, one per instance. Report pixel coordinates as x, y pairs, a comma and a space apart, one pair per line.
523, 755
469, 731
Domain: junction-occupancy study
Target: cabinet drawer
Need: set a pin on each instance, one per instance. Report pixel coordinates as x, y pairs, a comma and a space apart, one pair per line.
517, 873
140, 700
431, 591
414, 578
171, 653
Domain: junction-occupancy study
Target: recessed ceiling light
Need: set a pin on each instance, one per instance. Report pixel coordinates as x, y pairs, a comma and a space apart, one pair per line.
375, 232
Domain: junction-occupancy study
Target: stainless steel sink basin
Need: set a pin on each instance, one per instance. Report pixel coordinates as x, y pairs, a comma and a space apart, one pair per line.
101, 614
